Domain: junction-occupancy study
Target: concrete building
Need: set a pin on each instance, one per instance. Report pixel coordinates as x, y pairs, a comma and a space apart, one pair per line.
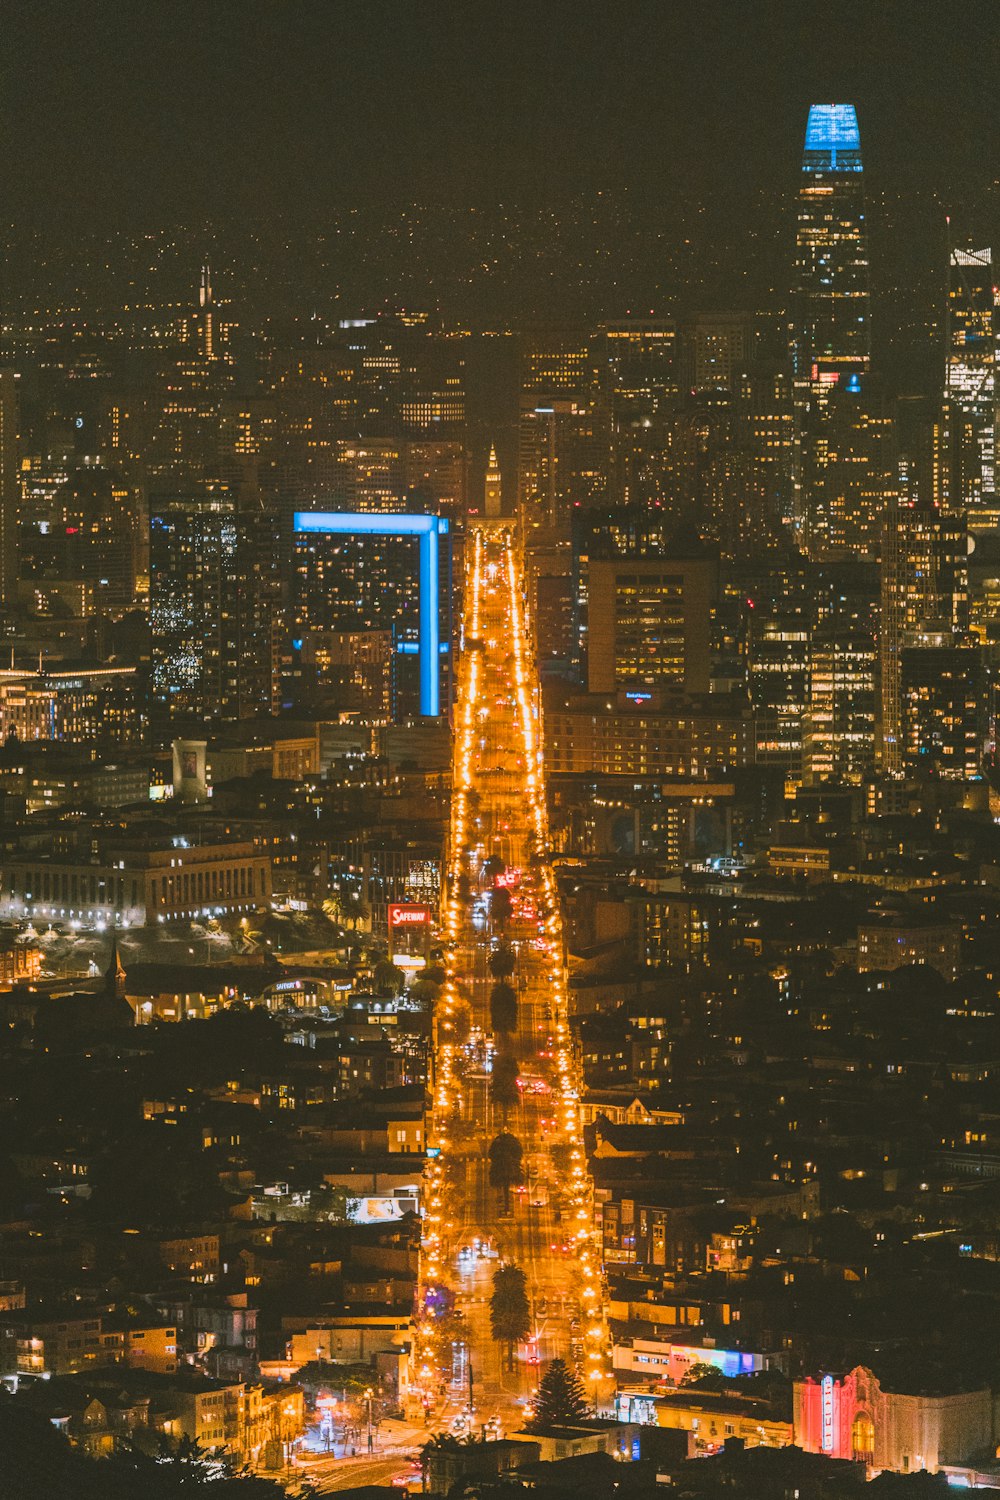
649, 733
650, 622
893, 943
137, 885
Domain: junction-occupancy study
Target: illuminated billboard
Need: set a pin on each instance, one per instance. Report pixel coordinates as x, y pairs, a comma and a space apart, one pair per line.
409, 915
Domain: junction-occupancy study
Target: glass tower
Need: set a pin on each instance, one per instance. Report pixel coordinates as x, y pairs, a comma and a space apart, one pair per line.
971, 357
830, 318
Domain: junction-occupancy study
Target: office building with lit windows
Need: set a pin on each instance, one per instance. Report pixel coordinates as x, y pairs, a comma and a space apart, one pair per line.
925, 605
636, 360
564, 447
650, 622
838, 741
649, 732
778, 658
9, 487
973, 349
643, 599
830, 315
82, 706
716, 348
942, 707
375, 590
215, 608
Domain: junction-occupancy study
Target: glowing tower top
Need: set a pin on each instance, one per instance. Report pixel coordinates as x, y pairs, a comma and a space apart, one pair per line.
833, 141
494, 486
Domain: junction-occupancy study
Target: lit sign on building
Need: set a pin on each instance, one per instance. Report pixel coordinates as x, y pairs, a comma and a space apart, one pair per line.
427, 529
826, 1407
409, 916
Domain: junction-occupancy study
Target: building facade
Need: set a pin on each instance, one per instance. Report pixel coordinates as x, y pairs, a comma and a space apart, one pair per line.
830, 321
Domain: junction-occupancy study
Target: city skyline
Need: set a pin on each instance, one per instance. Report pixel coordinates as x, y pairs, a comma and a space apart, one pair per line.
499, 750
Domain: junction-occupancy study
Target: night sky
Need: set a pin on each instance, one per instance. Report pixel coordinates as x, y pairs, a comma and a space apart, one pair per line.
130, 107
497, 162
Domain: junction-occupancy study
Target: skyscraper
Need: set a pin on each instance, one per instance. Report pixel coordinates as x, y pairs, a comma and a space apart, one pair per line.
9, 482
830, 321
925, 606
215, 608
564, 432
971, 359
205, 319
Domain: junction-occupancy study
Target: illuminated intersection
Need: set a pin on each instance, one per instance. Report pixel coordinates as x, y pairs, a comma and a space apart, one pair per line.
498, 837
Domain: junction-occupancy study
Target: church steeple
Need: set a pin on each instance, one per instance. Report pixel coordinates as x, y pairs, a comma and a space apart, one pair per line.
114, 975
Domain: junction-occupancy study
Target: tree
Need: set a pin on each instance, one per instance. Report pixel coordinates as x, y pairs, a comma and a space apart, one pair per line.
502, 963
348, 908
389, 980
501, 906
459, 1028
503, 1007
506, 1165
705, 1377
510, 1315
503, 1084
37, 1460
424, 991
333, 908
492, 868
560, 1401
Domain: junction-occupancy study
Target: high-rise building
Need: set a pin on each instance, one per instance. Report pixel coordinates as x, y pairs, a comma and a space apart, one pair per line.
778, 663
973, 351
857, 478
92, 539
184, 441
716, 348
637, 358
938, 455
763, 436
650, 622
830, 319
637, 369
646, 599
205, 317
9, 487
838, 739
215, 608
925, 605
357, 620
564, 433
942, 707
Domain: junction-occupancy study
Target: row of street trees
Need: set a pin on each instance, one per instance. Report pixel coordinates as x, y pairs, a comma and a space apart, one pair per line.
560, 1400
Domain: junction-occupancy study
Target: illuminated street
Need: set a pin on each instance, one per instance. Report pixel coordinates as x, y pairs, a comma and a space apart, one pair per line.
498, 815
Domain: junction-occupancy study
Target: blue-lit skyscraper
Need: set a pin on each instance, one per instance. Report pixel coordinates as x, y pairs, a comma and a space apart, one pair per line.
830, 318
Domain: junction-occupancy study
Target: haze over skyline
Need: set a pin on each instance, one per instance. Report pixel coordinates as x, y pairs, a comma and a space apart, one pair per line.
192, 108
